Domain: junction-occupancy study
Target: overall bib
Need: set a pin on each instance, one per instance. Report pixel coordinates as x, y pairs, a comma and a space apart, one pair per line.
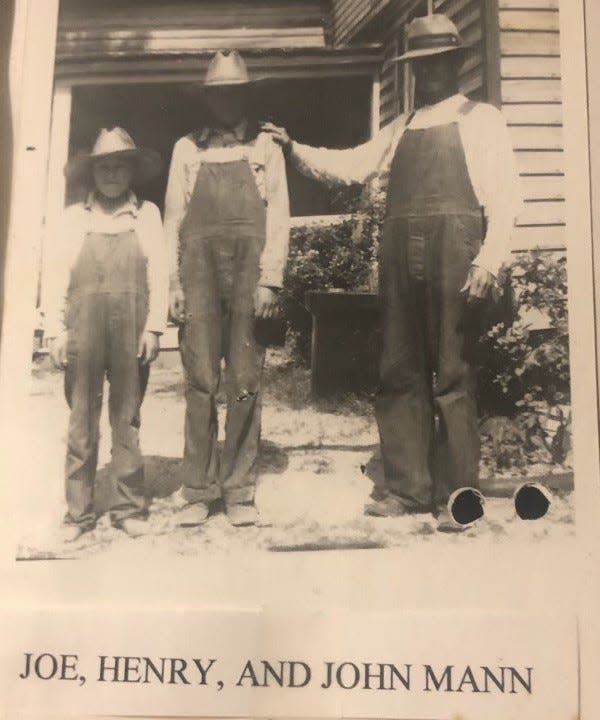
426, 409
107, 306
221, 240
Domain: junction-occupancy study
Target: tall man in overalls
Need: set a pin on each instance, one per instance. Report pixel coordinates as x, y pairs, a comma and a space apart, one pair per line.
451, 201
227, 227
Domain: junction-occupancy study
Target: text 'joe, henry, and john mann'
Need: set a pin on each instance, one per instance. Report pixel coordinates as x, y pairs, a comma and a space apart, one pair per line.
344, 675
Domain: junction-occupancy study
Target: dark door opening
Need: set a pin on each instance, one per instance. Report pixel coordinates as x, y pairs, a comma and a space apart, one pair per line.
332, 112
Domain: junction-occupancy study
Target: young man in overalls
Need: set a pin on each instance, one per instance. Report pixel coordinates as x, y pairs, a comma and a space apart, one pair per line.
451, 202
107, 308
227, 226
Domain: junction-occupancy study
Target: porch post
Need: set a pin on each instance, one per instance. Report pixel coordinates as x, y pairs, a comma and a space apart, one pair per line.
31, 107
58, 156
375, 104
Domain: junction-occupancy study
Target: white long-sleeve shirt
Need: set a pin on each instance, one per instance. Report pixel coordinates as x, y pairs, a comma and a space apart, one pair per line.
267, 163
488, 151
66, 241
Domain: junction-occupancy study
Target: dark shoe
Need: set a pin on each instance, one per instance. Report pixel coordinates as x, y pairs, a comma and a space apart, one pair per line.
389, 506
242, 515
134, 527
193, 515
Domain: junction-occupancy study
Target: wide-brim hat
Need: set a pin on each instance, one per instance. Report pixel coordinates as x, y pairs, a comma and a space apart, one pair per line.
431, 35
227, 70
116, 142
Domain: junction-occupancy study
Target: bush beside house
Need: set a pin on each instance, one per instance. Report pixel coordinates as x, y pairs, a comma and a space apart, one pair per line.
522, 353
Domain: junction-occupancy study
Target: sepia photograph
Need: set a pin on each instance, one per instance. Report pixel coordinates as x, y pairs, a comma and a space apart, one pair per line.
298, 371
301, 278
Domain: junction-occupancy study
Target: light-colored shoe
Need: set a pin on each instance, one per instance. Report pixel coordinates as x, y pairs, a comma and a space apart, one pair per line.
447, 524
192, 515
71, 533
241, 515
134, 527
388, 506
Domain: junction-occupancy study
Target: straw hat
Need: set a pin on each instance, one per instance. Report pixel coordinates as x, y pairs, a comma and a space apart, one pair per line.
226, 69
115, 142
431, 35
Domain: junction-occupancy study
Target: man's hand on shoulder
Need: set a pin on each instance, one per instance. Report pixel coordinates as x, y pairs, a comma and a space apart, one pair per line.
279, 135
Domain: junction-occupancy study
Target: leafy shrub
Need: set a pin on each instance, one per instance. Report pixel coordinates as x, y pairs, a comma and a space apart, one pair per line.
523, 378
524, 374
339, 256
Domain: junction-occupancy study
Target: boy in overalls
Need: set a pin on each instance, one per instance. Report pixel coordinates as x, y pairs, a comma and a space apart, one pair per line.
227, 227
108, 308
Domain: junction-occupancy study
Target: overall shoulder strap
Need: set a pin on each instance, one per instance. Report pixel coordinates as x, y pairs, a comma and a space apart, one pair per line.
467, 107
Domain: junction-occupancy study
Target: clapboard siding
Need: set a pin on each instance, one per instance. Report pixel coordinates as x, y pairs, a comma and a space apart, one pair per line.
532, 104
348, 16
154, 14
122, 27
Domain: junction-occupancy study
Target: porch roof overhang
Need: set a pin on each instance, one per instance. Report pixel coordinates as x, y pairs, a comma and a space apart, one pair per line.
276, 63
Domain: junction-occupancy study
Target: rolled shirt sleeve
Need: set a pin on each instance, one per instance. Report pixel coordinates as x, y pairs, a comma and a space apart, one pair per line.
275, 252
176, 201
152, 239
63, 243
496, 182
360, 164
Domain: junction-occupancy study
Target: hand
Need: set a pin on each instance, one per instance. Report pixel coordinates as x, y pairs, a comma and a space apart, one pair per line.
58, 350
279, 135
177, 303
480, 284
148, 348
265, 302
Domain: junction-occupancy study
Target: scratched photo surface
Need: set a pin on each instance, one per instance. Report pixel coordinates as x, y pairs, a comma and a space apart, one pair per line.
360, 350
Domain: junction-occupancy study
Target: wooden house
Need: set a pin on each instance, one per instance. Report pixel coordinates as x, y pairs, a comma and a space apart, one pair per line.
134, 63
514, 64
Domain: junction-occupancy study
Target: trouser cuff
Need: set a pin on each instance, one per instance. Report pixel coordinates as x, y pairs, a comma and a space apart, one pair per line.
201, 495
240, 496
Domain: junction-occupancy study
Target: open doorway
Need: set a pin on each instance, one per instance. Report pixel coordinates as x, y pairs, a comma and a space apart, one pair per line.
333, 112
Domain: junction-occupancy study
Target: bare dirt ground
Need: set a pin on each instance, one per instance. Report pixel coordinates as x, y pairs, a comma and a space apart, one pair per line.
311, 491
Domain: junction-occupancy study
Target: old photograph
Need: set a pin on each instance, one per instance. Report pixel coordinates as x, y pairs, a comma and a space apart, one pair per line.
301, 279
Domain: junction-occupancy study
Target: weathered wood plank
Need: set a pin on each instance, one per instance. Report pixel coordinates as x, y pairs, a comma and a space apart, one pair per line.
528, 4
537, 137
84, 44
529, 43
202, 13
530, 67
542, 213
540, 162
527, 238
543, 187
533, 114
545, 20
528, 91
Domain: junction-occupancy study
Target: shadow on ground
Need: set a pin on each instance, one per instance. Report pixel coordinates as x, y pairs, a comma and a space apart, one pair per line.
163, 474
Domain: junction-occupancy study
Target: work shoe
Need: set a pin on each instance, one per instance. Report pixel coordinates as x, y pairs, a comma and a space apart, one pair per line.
241, 515
192, 515
134, 527
388, 506
446, 523
71, 533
